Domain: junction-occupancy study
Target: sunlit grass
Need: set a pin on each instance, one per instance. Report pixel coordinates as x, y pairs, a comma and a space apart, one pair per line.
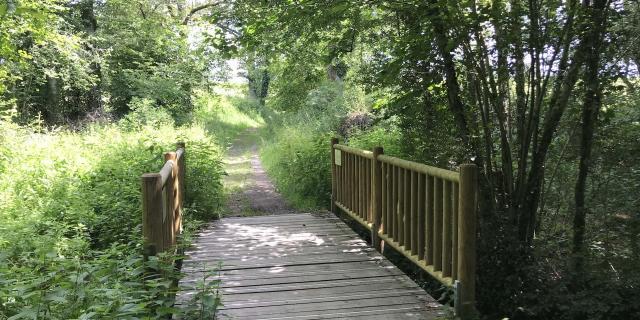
227, 114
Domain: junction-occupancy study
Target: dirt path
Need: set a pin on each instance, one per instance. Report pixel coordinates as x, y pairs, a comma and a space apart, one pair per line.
249, 190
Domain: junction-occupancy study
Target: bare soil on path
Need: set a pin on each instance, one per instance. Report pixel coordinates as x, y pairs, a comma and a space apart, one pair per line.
250, 192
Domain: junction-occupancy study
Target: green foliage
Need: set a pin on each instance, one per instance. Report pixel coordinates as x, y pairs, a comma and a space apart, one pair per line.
71, 208
299, 162
227, 113
297, 154
387, 136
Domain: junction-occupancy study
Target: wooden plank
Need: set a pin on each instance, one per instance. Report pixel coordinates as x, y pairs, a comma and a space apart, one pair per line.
308, 269
325, 306
257, 243
348, 244
305, 279
380, 293
250, 256
299, 270
410, 311
290, 217
305, 274
212, 264
389, 286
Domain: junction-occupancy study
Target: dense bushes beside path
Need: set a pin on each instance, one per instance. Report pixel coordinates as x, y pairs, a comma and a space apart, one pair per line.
71, 214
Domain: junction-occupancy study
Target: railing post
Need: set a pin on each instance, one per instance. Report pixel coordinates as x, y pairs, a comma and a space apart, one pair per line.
182, 163
334, 190
171, 203
465, 307
152, 214
376, 198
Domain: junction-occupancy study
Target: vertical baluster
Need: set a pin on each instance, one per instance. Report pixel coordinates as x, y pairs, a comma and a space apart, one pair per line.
446, 229
421, 228
428, 256
367, 196
454, 230
414, 213
406, 213
394, 203
390, 190
334, 176
383, 197
360, 187
352, 180
400, 211
437, 224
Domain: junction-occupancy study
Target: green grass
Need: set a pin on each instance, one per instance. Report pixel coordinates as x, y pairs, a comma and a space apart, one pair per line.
227, 113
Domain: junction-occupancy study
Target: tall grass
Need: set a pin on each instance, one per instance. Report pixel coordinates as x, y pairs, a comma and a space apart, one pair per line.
227, 113
296, 150
70, 238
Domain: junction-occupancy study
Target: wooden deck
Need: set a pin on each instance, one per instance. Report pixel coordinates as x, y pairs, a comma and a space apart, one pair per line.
302, 266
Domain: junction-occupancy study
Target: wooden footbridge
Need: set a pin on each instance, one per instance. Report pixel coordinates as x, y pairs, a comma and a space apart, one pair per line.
312, 265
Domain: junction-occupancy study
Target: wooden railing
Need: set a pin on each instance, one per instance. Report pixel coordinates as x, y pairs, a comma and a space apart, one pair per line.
427, 214
162, 198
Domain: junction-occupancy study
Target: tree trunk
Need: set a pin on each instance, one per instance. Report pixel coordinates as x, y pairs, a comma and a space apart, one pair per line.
590, 110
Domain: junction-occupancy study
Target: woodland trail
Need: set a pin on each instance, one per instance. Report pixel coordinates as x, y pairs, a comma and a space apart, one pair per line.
249, 190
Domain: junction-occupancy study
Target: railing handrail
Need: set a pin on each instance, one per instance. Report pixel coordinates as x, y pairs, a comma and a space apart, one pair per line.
162, 202
425, 213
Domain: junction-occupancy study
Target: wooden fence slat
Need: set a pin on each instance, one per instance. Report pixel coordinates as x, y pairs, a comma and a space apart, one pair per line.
376, 197
383, 196
352, 179
446, 229
400, 210
368, 195
426, 213
406, 213
390, 188
334, 175
414, 213
437, 224
394, 202
429, 184
421, 198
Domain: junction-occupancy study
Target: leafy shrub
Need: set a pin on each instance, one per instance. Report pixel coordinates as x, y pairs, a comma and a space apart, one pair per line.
388, 137
71, 211
299, 161
297, 155
145, 113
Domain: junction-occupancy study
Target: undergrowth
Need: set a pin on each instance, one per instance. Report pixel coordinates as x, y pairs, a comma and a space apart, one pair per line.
70, 205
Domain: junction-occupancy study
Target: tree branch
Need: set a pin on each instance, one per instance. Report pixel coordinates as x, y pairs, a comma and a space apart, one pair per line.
197, 9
